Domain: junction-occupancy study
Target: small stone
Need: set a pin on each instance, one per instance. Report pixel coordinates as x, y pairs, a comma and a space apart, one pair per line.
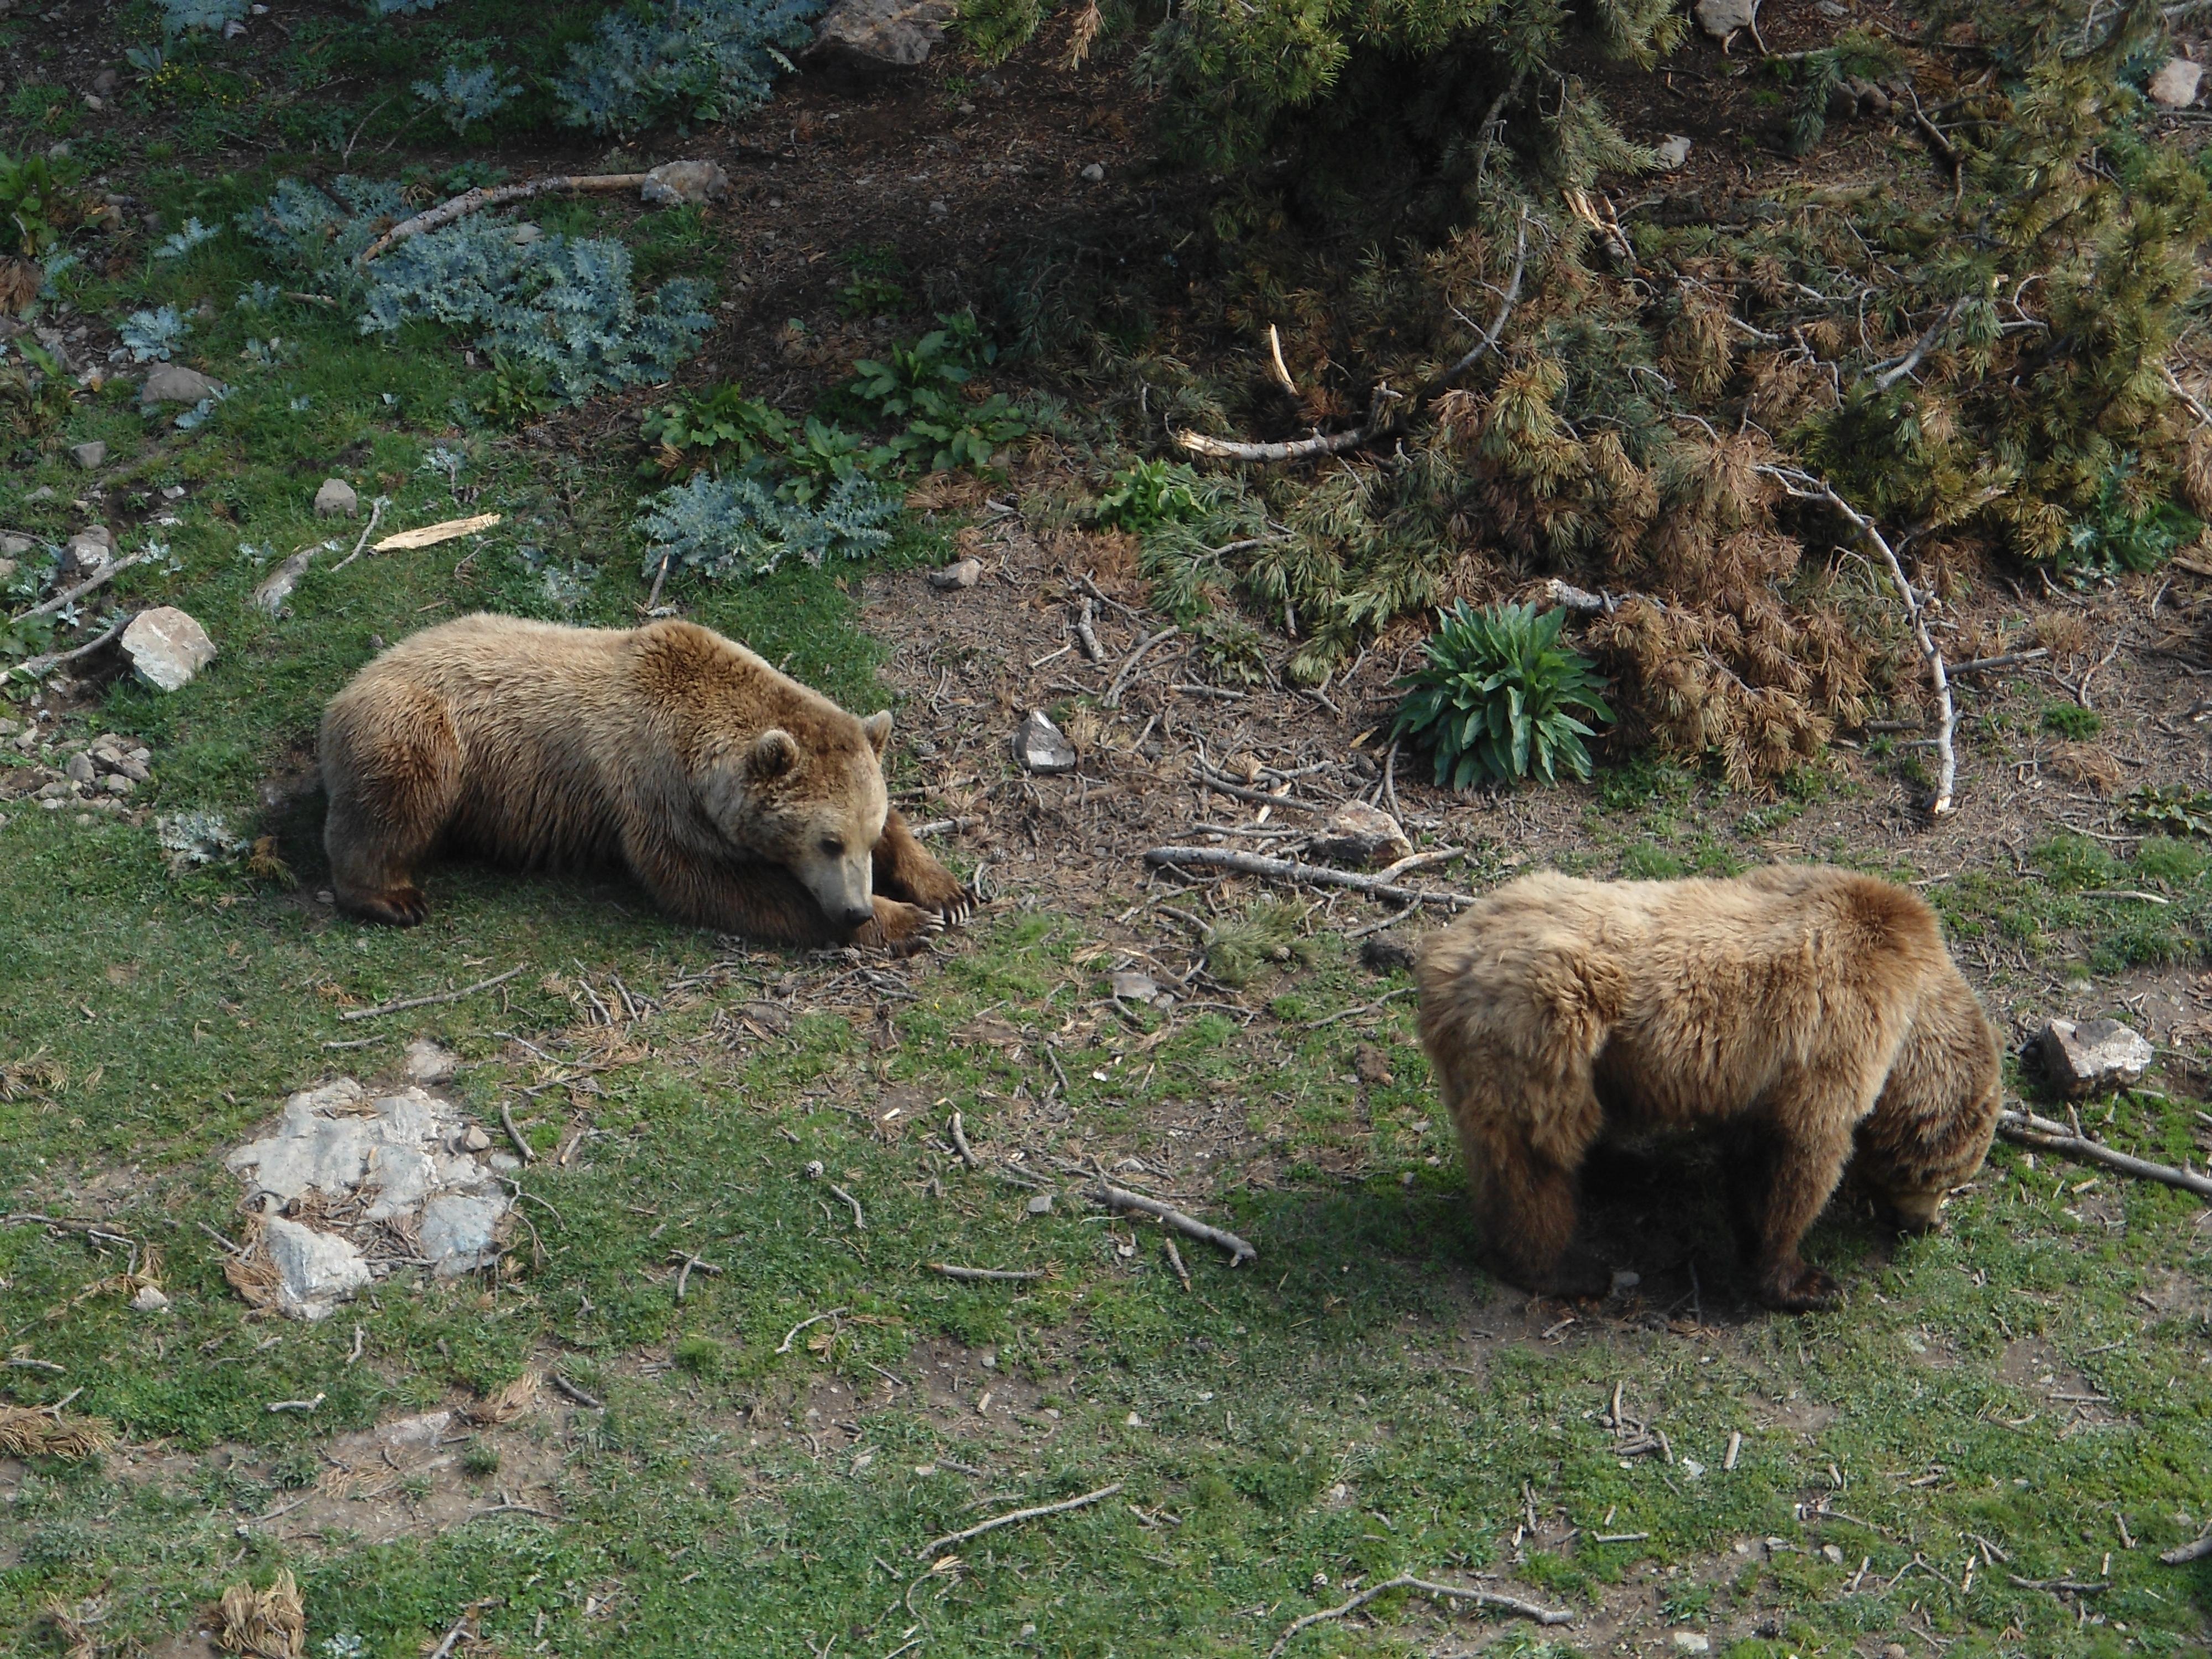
105, 81
1131, 986
233, 29
474, 1139
2093, 1056
1829, 10
88, 455
166, 647
1625, 1281
1722, 18
1360, 834
78, 769
673, 182
1094, 174
116, 784
173, 383
1842, 102
149, 1300
1834, 1554
1041, 1204
1688, 1641
1133, 1420
426, 1062
337, 500
1896, 1650
15, 546
2174, 86
315, 1270
1385, 955
961, 572
526, 234
89, 549
1673, 153
457, 1233
1042, 747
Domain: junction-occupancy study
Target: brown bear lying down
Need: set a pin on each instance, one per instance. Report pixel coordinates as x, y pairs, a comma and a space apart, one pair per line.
742, 800
1807, 1010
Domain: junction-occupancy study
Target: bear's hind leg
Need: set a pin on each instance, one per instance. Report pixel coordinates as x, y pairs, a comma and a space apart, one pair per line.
907, 872
392, 790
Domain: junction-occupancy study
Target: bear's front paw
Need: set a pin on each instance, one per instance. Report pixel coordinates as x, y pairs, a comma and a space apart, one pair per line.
403, 906
960, 909
1800, 1289
899, 926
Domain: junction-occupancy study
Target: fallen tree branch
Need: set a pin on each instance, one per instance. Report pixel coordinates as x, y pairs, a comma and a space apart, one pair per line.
1113, 698
990, 1275
2026, 1129
507, 1122
1118, 1197
1381, 423
1905, 364
1481, 1598
1293, 870
1240, 792
590, 1402
998, 1520
960, 1142
2185, 1554
1807, 487
429, 1001
375, 512
784, 1346
2005, 660
100, 578
38, 665
477, 200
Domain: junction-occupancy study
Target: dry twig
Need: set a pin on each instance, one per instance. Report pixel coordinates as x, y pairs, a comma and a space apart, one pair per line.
100, 578
477, 200
1481, 1598
1381, 422
430, 1001
936, 1545
1118, 1198
2182, 1556
784, 1346
991, 1274
1291, 869
1805, 487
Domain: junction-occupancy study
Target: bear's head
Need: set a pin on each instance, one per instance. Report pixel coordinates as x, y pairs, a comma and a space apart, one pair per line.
1937, 1113
812, 801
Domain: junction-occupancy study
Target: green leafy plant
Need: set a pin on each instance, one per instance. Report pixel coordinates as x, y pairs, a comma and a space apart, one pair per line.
955, 432
2176, 809
514, 394
822, 455
907, 379
1146, 495
34, 393
1498, 695
2070, 720
2123, 532
723, 426
34, 204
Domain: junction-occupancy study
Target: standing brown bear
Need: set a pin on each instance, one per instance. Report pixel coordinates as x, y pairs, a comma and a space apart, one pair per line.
1806, 1008
742, 800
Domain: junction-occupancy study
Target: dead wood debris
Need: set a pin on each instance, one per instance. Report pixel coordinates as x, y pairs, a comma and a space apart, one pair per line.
988, 1274
936, 1545
1294, 871
439, 997
1481, 1598
264, 1624
1119, 1199
2026, 1129
38, 1431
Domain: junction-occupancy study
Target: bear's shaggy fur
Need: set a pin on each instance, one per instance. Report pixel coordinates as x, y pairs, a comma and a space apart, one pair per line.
742, 800
1806, 1008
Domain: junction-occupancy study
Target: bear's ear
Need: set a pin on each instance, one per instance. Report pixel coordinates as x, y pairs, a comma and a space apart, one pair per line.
773, 754
878, 728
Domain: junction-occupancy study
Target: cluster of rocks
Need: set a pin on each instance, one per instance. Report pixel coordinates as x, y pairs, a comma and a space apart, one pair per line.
350, 1187
103, 773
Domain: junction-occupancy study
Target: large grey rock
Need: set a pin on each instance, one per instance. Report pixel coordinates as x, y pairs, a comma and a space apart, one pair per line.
88, 455
1358, 834
166, 647
1042, 747
335, 499
2093, 1056
673, 182
460, 1235
1722, 18
315, 1271
2174, 86
1673, 153
383, 1160
880, 36
173, 383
